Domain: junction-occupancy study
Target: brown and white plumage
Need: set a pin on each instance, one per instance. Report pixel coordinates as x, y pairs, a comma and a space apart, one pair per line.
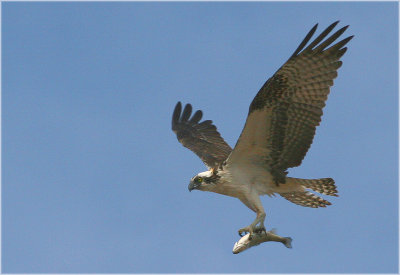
286, 111
278, 132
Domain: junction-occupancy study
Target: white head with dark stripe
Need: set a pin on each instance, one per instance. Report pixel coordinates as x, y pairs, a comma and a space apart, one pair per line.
204, 181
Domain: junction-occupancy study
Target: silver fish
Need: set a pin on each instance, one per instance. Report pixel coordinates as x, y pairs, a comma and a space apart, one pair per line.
264, 236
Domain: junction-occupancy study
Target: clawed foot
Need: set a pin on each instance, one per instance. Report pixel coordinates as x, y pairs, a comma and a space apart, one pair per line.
246, 229
251, 230
257, 226
260, 229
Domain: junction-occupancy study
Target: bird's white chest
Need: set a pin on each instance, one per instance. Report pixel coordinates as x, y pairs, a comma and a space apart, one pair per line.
243, 181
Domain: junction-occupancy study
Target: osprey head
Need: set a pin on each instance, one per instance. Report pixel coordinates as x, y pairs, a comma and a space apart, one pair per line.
204, 181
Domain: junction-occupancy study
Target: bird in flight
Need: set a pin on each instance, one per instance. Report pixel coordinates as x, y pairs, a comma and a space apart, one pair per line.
278, 132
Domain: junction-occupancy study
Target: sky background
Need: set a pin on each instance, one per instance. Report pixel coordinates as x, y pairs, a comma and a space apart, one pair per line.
94, 180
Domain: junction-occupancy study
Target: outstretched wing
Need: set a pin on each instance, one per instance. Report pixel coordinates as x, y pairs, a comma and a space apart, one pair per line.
201, 138
284, 114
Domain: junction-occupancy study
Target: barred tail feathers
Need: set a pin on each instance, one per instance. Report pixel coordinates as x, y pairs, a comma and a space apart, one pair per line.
325, 186
305, 198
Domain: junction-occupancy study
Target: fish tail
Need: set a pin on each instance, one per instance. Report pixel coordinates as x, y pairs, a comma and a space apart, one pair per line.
288, 242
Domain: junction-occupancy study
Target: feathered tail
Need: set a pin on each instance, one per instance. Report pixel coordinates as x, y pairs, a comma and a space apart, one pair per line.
324, 186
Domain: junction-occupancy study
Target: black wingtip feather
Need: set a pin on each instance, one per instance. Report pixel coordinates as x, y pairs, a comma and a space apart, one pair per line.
196, 117
340, 44
178, 105
331, 39
321, 36
341, 52
305, 41
176, 114
186, 112
331, 26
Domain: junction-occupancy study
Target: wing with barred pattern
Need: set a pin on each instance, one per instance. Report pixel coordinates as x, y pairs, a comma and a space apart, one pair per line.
284, 114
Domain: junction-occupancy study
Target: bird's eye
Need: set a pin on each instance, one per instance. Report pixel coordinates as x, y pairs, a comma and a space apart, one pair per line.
199, 179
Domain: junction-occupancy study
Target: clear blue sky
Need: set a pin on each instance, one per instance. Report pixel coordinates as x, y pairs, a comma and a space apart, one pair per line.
94, 180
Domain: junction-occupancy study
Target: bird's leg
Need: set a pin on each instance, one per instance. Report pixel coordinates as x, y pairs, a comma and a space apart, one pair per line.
260, 228
253, 226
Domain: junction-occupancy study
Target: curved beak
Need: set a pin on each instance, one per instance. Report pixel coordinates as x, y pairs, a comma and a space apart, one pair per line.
193, 185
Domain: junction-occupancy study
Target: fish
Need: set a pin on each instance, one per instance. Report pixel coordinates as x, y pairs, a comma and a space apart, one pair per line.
259, 237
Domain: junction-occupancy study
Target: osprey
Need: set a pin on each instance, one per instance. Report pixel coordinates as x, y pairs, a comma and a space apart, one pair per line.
279, 130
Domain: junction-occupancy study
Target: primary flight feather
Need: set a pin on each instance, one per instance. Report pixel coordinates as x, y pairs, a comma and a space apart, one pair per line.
278, 132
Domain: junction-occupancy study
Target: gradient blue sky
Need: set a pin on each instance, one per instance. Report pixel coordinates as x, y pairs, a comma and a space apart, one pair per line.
95, 181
